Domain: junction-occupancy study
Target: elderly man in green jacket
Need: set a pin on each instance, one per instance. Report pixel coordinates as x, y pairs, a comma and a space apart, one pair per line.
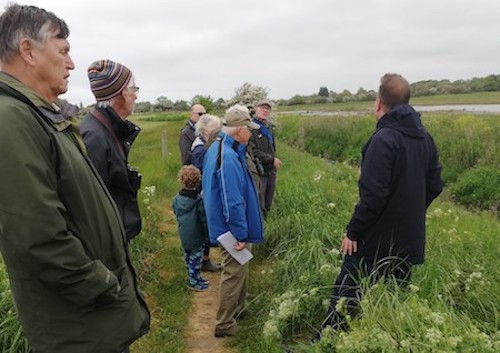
61, 237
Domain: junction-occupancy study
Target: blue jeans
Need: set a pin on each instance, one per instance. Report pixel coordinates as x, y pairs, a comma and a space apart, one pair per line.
347, 285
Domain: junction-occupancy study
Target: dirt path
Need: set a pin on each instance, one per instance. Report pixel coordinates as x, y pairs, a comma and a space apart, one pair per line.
201, 317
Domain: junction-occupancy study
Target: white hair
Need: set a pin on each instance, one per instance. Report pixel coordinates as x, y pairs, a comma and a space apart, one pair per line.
207, 124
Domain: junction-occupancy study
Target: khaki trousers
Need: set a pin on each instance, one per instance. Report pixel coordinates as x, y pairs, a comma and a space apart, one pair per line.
232, 292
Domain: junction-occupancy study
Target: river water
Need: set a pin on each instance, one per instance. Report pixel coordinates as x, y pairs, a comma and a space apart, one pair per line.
472, 108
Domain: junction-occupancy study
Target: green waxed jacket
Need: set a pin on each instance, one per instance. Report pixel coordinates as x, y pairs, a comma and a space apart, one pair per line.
61, 238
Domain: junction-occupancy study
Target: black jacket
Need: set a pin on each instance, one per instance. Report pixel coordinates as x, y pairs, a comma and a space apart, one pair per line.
400, 176
263, 149
110, 157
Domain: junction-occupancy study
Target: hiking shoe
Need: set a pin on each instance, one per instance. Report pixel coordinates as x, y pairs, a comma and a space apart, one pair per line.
230, 331
209, 266
197, 286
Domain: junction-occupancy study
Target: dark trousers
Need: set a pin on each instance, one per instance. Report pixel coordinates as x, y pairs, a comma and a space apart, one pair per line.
267, 187
348, 285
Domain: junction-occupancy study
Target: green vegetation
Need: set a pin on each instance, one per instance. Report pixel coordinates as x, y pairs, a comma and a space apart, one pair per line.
452, 305
453, 302
11, 338
478, 187
464, 141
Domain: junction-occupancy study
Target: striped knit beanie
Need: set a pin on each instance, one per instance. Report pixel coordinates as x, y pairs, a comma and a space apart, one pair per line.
107, 79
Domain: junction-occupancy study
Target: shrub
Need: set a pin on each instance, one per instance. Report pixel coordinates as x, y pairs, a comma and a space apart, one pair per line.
478, 187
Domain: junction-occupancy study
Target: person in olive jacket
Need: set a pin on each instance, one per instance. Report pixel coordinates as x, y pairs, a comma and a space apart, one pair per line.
400, 177
109, 136
61, 237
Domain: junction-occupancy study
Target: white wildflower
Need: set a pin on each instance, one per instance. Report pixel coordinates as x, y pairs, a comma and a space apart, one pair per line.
437, 318
414, 288
434, 336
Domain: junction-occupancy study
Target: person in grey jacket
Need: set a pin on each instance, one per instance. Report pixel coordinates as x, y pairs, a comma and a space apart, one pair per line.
187, 134
109, 136
61, 237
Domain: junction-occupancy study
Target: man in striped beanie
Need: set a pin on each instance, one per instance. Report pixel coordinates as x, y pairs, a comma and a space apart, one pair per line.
108, 136
108, 79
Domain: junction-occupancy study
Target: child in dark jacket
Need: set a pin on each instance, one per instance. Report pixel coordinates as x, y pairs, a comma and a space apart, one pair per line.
191, 221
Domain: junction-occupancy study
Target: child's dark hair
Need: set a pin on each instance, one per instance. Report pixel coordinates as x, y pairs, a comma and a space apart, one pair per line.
189, 177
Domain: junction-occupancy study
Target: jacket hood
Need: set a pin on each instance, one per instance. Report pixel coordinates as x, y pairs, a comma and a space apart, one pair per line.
186, 202
404, 119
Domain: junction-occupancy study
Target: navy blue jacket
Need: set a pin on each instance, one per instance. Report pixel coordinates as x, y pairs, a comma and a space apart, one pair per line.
400, 176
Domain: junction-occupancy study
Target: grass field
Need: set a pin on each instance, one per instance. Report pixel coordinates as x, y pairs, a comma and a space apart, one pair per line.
454, 302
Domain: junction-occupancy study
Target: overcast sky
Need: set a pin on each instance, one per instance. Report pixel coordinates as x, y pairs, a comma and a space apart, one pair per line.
182, 48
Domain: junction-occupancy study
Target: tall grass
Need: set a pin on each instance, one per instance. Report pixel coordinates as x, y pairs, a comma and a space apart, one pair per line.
11, 337
453, 302
465, 141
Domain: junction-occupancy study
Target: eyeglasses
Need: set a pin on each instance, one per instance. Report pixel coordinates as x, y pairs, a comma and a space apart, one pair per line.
201, 113
134, 89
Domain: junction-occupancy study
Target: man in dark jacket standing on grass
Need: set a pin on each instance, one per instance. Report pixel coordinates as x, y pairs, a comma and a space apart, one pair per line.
61, 236
109, 136
263, 149
187, 136
400, 176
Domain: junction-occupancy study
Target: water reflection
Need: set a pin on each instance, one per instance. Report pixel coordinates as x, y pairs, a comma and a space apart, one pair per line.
473, 108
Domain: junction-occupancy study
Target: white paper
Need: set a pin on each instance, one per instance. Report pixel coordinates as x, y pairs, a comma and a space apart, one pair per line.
227, 240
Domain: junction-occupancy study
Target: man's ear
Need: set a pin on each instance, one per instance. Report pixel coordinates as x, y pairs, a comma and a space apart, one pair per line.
26, 51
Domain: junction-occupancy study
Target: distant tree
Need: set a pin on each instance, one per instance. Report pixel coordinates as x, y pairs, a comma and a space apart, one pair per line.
319, 99
345, 96
248, 94
163, 104
143, 107
219, 104
206, 101
361, 95
323, 91
181, 105
297, 99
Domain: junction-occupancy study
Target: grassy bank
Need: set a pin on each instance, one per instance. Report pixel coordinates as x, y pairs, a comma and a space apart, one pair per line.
454, 302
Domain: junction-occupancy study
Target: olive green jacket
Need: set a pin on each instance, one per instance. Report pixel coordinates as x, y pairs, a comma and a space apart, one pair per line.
61, 238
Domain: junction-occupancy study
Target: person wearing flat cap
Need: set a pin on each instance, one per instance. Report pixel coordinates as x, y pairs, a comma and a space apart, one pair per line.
263, 149
231, 205
109, 136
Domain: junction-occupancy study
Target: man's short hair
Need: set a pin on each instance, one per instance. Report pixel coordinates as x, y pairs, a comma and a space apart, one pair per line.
22, 21
394, 89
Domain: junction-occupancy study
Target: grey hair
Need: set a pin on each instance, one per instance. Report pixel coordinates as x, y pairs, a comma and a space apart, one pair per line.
31, 22
207, 123
230, 130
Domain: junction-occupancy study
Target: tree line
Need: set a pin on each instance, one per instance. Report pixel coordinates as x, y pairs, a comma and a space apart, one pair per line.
249, 93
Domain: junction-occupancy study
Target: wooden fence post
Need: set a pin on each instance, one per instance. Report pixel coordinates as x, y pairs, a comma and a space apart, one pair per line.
164, 152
